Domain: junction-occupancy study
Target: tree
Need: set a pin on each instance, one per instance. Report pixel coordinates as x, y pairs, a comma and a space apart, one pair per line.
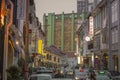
14, 73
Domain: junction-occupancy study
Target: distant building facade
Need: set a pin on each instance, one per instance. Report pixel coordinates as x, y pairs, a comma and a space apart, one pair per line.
36, 36
60, 30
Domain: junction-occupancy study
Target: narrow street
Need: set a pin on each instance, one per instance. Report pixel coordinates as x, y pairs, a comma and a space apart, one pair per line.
59, 39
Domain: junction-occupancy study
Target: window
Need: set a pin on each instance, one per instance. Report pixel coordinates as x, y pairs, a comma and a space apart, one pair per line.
95, 22
114, 9
58, 60
105, 36
50, 57
90, 46
114, 35
97, 42
54, 58
47, 56
31, 2
30, 18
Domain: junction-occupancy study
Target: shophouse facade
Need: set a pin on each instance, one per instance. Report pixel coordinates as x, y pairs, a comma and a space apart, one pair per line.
11, 14
114, 31
54, 58
85, 32
36, 36
100, 15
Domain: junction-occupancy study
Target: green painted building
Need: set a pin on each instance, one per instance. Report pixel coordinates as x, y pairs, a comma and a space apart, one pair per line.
60, 30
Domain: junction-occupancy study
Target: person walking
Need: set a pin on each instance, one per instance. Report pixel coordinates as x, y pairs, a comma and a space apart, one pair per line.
92, 75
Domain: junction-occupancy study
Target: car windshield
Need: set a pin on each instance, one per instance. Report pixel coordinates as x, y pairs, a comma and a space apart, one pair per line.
114, 73
103, 78
33, 78
81, 74
40, 78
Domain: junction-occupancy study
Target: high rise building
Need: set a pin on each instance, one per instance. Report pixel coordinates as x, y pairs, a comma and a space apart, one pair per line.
85, 6
60, 30
82, 6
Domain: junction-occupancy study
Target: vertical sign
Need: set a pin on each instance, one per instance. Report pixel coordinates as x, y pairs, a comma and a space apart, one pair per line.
91, 26
39, 46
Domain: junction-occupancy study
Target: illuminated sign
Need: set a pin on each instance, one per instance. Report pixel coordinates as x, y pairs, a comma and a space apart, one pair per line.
101, 72
91, 26
39, 46
1, 19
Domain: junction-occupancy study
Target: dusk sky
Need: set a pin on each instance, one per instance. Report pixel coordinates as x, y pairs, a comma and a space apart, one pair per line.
57, 6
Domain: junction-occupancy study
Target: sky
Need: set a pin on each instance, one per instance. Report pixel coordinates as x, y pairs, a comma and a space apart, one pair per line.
54, 6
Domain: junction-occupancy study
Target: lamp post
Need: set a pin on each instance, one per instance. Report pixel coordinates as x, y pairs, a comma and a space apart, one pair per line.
5, 55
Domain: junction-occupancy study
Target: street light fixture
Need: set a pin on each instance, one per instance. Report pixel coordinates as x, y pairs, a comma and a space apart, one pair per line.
87, 38
17, 42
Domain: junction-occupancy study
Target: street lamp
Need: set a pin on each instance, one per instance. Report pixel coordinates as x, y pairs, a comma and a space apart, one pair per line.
17, 42
87, 38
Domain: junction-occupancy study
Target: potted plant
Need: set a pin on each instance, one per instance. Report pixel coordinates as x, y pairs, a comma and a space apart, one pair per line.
14, 73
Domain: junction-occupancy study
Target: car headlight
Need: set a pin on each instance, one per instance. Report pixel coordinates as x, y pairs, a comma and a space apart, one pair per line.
76, 78
61, 72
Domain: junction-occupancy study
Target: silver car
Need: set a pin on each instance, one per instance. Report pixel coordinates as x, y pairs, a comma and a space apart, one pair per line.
102, 77
40, 77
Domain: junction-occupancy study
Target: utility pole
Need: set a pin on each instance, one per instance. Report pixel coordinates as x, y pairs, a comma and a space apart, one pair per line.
5, 55
26, 42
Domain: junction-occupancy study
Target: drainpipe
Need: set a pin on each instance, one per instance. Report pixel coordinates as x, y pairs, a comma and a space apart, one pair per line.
5, 55
26, 44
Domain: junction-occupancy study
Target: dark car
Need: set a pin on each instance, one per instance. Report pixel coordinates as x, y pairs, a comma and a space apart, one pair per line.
114, 75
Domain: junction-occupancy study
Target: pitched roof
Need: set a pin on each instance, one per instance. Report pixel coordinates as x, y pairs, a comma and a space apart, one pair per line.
70, 54
54, 50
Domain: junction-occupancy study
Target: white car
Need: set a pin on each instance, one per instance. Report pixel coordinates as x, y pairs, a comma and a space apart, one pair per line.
40, 77
102, 77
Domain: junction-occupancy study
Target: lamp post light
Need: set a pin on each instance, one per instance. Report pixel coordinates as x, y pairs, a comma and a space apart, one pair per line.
87, 38
17, 42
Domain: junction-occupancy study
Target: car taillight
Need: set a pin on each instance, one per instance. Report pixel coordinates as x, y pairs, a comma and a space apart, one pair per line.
81, 70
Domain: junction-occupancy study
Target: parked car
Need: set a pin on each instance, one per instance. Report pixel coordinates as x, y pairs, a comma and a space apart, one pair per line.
81, 75
41, 69
101, 77
40, 77
69, 74
114, 75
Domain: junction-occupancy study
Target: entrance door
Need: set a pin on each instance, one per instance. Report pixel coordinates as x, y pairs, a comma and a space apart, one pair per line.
116, 62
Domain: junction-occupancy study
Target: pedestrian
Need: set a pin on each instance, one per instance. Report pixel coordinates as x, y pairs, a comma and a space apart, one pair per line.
92, 75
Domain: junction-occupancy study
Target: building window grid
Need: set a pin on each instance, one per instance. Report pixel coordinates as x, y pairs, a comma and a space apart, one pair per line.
114, 35
94, 22
98, 20
58, 60
97, 42
114, 9
54, 58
